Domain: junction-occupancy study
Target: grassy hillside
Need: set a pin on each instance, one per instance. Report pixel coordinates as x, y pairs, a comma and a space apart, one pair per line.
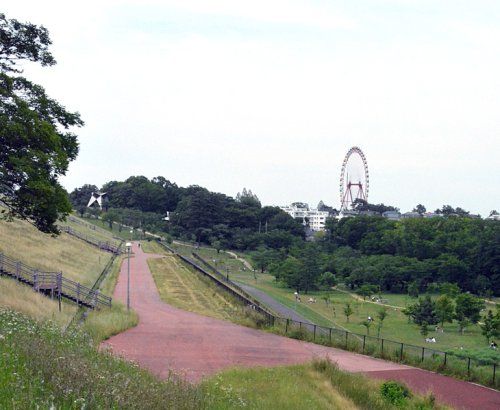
42, 368
23, 299
184, 288
77, 260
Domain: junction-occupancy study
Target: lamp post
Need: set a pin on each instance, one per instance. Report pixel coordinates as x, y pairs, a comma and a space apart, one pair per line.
128, 245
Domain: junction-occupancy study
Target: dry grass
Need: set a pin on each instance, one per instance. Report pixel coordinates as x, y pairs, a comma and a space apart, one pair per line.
77, 260
153, 247
83, 227
22, 298
185, 289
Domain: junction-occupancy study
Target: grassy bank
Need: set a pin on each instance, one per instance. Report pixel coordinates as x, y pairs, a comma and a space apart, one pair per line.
77, 260
104, 323
22, 298
182, 287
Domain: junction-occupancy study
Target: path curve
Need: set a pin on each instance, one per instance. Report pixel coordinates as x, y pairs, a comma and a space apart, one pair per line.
196, 346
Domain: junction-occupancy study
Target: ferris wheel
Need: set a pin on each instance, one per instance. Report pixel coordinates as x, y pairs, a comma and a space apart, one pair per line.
354, 178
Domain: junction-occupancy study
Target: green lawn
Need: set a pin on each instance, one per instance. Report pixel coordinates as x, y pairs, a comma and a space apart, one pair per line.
395, 326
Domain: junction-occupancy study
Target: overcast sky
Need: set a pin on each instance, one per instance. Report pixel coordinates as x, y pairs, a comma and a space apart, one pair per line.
270, 95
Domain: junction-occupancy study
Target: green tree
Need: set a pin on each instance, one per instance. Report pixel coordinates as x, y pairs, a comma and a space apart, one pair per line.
289, 271
445, 309
468, 309
424, 329
450, 289
326, 280
425, 311
348, 311
381, 315
413, 289
367, 324
367, 290
420, 209
491, 326
36, 144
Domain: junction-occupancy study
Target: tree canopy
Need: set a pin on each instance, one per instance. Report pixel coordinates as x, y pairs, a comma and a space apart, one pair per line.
37, 144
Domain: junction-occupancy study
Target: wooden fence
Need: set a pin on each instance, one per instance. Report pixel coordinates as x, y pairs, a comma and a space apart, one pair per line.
52, 284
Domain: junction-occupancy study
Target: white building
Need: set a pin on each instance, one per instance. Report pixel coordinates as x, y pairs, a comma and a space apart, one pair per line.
310, 217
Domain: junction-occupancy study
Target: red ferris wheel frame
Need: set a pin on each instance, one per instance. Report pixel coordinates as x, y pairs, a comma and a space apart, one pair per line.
346, 195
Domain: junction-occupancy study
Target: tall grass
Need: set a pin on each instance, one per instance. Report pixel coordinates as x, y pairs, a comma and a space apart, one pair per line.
103, 323
183, 287
22, 298
42, 368
77, 260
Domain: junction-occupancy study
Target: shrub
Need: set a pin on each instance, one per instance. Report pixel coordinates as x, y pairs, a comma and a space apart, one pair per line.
395, 393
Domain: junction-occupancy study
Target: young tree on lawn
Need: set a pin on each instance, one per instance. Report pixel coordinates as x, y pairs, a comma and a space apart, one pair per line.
424, 329
491, 326
381, 315
367, 323
468, 309
445, 309
36, 144
425, 311
348, 311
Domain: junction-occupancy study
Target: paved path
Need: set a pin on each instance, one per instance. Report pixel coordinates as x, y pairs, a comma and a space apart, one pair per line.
195, 346
273, 304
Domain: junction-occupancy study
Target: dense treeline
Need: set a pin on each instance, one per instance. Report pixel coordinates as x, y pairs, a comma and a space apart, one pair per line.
398, 256
195, 214
411, 255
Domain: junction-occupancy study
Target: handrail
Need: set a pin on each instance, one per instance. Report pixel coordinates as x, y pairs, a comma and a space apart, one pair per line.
53, 282
103, 245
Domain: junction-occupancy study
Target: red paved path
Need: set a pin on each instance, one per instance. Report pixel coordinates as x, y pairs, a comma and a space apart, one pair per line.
195, 346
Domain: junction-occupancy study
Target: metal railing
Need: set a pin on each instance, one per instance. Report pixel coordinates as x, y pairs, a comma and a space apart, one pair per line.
52, 284
483, 371
227, 285
103, 245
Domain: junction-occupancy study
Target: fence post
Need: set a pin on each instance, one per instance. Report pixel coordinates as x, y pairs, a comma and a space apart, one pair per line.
423, 352
468, 367
330, 335
494, 373
364, 343
314, 335
346, 336
35, 280
300, 325
78, 294
1, 263
382, 347
286, 326
445, 357
18, 268
401, 353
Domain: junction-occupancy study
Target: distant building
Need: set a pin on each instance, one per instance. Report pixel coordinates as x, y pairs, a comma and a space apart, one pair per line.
409, 215
494, 217
392, 215
311, 218
432, 215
